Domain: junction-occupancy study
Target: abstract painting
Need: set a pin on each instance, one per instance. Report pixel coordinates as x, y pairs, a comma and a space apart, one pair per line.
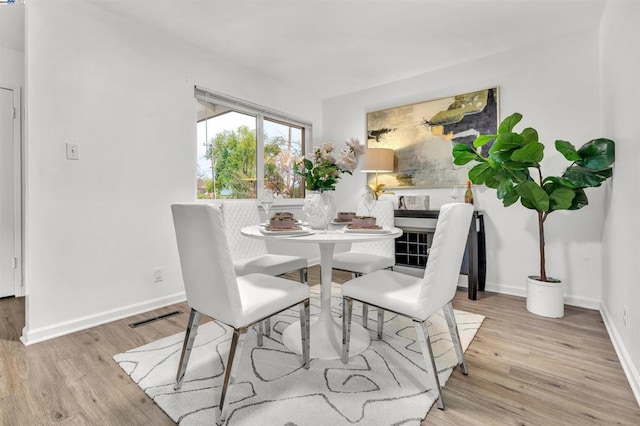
423, 134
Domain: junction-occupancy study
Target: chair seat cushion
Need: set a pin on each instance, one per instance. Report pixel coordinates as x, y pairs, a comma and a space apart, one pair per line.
389, 290
263, 295
270, 264
362, 263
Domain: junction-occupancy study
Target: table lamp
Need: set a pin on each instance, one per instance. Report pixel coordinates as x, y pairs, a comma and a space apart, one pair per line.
377, 160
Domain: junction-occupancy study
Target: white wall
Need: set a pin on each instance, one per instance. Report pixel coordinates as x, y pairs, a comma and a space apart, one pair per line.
555, 86
11, 68
96, 228
621, 243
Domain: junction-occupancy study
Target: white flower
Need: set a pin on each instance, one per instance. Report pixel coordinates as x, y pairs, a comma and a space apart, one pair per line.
325, 170
356, 147
327, 147
329, 158
348, 161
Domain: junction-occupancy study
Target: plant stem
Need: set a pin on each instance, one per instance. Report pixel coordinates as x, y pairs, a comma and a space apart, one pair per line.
543, 272
541, 217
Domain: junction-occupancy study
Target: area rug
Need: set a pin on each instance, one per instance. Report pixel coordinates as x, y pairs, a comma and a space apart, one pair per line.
387, 384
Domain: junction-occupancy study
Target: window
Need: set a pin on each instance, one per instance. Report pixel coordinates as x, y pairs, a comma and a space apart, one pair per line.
244, 148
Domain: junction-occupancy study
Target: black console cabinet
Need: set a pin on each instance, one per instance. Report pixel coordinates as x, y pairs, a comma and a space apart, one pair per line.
412, 248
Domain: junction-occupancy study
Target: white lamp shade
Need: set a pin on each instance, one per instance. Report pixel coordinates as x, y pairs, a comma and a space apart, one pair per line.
377, 160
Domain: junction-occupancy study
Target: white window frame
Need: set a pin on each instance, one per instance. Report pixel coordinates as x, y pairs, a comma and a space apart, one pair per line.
261, 113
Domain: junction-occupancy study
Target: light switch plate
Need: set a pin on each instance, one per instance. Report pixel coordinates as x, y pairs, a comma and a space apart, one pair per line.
72, 151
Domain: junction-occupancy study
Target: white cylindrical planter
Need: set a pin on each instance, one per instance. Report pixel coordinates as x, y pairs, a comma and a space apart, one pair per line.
545, 298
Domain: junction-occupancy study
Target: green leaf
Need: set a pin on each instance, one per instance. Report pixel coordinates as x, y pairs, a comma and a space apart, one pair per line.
507, 141
530, 153
582, 177
516, 175
504, 187
529, 135
526, 203
510, 198
597, 154
492, 181
558, 181
483, 139
531, 192
463, 154
579, 199
499, 156
568, 150
517, 165
480, 173
308, 164
509, 123
560, 197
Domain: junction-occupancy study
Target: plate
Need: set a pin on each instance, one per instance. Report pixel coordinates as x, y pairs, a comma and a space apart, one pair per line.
298, 230
299, 222
377, 230
339, 222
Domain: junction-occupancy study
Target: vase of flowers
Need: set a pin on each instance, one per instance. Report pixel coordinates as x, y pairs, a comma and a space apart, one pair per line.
321, 171
319, 207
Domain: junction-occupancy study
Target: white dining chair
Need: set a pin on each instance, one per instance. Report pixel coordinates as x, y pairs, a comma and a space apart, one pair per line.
251, 255
364, 258
212, 289
415, 297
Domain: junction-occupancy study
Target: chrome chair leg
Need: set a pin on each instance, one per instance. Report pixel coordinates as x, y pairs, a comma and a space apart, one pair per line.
427, 353
303, 275
305, 333
267, 327
365, 315
235, 354
347, 308
264, 329
189, 337
261, 333
455, 335
380, 322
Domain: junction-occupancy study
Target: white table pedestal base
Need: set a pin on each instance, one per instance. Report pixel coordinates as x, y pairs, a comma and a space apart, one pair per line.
326, 338
326, 331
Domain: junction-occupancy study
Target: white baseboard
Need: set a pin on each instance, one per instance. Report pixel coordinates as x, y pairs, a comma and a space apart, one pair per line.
60, 329
505, 289
580, 302
630, 370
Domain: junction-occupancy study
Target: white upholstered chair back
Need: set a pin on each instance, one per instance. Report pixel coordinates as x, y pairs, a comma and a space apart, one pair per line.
383, 211
207, 270
237, 214
445, 257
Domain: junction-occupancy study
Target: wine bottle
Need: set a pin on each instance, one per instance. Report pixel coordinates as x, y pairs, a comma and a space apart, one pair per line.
468, 194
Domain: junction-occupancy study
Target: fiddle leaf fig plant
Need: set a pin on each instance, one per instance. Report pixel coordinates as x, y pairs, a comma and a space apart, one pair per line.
513, 168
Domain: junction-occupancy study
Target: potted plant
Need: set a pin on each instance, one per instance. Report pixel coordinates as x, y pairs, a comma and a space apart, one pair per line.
513, 168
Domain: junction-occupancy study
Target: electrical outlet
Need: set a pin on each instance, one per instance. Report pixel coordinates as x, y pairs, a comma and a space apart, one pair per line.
158, 275
625, 315
72, 151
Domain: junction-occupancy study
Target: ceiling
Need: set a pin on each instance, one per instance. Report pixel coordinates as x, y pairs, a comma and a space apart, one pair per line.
337, 47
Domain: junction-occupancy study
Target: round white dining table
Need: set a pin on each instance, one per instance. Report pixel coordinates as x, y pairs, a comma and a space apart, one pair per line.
326, 331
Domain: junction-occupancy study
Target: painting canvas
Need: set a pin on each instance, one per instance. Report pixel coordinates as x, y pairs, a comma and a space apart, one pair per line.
423, 134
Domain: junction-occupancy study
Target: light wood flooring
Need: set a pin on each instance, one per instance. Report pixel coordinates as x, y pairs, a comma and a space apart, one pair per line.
523, 370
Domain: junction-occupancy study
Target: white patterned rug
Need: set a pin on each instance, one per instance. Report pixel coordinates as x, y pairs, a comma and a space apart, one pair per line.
387, 384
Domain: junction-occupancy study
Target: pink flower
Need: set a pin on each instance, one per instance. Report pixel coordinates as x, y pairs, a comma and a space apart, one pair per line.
348, 161
356, 147
327, 147
324, 170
